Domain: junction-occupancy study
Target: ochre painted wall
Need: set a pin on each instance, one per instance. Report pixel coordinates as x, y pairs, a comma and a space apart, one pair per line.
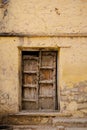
57, 24
72, 71
47, 17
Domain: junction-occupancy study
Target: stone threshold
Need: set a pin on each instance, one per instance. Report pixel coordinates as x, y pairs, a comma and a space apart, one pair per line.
42, 113
45, 118
36, 127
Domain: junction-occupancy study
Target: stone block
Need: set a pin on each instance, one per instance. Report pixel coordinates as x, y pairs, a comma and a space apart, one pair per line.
72, 106
82, 105
60, 128
76, 128
78, 114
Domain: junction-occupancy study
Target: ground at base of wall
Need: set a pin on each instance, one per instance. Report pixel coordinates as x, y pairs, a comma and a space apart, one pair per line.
47, 127
42, 127
39, 121
39, 127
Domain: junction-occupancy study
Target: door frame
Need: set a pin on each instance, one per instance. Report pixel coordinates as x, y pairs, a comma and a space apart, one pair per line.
20, 49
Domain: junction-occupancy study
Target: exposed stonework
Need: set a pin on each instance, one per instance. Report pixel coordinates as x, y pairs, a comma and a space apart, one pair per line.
75, 99
31, 122
46, 127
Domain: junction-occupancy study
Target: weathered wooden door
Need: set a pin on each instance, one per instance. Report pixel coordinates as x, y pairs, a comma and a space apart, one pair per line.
39, 86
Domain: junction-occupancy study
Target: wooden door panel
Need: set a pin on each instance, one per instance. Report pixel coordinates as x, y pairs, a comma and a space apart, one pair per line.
46, 90
30, 79
48, 59
29, 105
29, 93
46, 74
30, 65
46, 104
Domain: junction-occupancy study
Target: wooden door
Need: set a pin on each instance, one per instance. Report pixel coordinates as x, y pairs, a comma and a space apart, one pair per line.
39, 80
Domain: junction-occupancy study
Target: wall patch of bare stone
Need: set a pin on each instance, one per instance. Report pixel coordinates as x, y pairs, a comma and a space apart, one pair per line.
75, 99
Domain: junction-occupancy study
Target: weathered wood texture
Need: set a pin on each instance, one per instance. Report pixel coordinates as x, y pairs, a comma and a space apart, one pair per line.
39, 80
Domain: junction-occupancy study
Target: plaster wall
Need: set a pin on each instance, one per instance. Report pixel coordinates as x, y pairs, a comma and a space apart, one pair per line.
72, 71
48, 17
40, 23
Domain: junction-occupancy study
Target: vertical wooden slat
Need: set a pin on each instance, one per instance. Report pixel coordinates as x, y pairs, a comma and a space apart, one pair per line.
57, 88
20, 79
39, 78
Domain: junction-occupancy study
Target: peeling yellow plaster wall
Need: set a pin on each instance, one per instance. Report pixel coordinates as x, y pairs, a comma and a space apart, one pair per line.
72, 65
9, 85
48, 17
74, 62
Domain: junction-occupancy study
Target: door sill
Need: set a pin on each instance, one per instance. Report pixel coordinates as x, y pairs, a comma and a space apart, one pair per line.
42, 113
